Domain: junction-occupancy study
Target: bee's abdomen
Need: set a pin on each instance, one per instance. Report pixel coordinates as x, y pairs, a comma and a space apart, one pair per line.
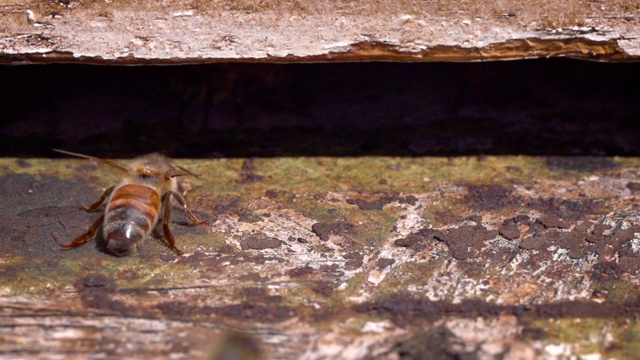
130, 216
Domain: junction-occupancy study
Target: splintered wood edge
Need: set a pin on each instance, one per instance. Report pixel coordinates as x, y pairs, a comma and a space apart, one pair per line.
584, 49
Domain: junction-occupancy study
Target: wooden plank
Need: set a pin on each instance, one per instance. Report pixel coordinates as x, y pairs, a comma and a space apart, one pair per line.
334, 257
186, 31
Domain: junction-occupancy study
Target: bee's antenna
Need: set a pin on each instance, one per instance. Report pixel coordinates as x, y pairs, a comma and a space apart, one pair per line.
179, 171
94, 159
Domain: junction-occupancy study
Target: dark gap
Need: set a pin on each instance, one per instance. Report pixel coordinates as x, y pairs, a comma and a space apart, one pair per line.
536, 107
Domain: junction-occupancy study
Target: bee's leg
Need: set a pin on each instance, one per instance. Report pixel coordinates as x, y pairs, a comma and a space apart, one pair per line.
180, 199
99, 201
166, 216
84, 238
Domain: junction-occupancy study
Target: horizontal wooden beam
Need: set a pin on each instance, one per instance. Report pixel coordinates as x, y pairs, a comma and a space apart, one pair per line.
191, 31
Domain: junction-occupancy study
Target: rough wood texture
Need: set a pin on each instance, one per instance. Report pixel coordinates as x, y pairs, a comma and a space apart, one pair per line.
191, 31
321, 258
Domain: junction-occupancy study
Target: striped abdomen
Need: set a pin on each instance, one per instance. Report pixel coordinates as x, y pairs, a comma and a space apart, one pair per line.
131, 214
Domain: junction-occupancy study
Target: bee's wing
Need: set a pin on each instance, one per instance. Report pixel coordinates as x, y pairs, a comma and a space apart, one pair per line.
94, 159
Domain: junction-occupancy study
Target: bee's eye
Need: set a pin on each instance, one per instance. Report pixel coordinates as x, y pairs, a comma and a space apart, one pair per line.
146, 172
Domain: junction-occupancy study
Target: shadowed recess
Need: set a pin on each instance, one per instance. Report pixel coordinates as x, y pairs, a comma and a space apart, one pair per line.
538, 107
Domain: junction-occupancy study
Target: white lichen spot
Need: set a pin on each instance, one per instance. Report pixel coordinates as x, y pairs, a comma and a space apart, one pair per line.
377, 326
375, 277
591, 357
189, 12
31, 17
634, 244
558, 351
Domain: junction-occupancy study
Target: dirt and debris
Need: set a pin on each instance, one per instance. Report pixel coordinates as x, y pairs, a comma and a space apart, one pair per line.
247, 174
323, 288
417, 241
466, 241
634, 187
384, 263
580, 240
509, 229
248, 216
406, 310
606, 270
324, 230
580, 163
301, 271
354, 260
258, 311
259, 243
553, 222
370, 205
488, 197
380, 202
96, 292
23, 163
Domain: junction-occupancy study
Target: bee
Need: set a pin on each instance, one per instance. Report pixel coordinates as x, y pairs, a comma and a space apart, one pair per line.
136, 204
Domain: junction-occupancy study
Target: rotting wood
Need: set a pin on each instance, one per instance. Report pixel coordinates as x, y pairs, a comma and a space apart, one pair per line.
147, 32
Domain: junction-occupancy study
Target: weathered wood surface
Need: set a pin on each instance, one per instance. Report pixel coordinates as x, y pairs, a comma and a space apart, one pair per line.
319, 258
188, 31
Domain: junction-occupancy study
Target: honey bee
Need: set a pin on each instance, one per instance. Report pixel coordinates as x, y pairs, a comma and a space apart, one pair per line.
135, 205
